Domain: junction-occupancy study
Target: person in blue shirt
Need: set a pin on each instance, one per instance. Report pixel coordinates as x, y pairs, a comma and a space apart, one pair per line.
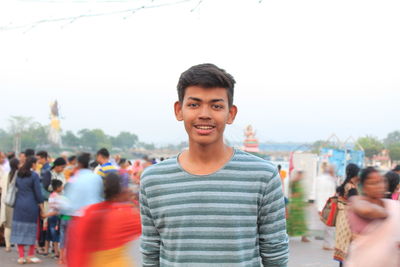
83, 189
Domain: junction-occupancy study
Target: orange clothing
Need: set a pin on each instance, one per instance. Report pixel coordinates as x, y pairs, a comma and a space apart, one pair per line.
101, 236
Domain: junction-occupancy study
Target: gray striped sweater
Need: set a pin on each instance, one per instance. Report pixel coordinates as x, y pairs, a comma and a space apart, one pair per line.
233, 217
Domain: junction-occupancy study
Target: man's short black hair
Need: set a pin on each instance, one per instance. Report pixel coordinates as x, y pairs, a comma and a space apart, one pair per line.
83, 160
43, 154
104, 152
29, 152
206, 76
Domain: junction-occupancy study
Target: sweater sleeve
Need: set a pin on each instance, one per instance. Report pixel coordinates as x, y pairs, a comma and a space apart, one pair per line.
37, 189
273, 238
150, 241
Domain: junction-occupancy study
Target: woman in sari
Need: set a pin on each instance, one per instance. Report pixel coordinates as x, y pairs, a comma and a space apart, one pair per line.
106, 229
296, 224
374, 222
343, 233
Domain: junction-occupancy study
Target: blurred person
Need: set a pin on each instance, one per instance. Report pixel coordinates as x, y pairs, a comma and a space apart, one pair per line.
124, 164
211, 194
396, 169
29, 152
44, 169
326, 188
116, 159
137, 170
4, 163
392, 180
105, 229
53, 221
28, 204
21, 158
147, 162
94, 166
347, 189
6, 212
43, 160
56, 173
84, 188
374, 222
71, 167
103, 158
10, 155
125, 167
282, 174
296, 223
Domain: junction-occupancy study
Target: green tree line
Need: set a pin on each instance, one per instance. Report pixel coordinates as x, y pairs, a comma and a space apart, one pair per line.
35, 135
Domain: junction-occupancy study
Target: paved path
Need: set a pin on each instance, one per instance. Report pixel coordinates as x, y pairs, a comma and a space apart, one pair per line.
301, 255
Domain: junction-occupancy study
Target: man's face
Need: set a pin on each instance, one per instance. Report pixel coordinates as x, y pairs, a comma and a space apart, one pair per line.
100, 159
59, 169
205, 112
41, 160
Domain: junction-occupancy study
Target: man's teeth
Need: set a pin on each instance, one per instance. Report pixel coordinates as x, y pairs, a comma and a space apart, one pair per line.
204, 127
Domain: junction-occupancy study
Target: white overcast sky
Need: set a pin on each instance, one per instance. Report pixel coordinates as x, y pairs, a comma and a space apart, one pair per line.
304, 69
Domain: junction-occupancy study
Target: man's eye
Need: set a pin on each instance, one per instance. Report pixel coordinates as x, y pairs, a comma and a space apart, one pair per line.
218, 106
192, 105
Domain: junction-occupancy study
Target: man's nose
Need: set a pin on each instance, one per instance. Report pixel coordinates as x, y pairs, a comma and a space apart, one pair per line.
205, 113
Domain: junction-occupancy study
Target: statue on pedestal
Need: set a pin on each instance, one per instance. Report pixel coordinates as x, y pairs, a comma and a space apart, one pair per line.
251, 142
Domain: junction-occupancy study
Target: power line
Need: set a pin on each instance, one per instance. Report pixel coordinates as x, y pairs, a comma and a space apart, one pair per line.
72, 19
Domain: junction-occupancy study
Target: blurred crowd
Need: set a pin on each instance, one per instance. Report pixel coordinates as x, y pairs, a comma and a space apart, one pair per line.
360, 212
79, 210
83, 210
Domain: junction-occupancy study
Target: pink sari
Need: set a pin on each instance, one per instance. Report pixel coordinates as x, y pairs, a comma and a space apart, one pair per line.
378, 243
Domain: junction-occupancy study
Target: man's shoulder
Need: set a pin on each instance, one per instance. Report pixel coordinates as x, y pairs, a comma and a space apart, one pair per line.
247, 161
165, 167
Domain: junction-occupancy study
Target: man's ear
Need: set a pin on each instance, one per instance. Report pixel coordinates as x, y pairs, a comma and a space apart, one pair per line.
232, 114
178, 111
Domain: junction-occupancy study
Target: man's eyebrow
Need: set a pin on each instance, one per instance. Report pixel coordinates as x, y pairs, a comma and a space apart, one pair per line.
217, 100
194, 98
211, 101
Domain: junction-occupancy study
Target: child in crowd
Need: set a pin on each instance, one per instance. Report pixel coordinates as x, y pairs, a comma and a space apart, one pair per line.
53, 221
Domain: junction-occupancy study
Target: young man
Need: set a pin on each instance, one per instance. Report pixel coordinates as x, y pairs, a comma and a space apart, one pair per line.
103, 158
212, 205
43, 160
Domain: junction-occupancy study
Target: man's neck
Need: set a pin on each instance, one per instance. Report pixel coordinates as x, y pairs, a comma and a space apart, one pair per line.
202, 160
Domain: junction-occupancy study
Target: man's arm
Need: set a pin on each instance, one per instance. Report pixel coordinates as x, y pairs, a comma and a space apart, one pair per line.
274, 243
150, 242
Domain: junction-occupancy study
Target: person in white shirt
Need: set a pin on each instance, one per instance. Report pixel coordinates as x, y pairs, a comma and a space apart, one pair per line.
326, 188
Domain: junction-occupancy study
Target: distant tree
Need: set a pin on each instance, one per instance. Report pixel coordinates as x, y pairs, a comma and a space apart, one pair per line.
19, 124
6, 141
94, 139
36, 135
392, 138
394, 151
372, 146
70, 139
31, 134
124, 140
146, 146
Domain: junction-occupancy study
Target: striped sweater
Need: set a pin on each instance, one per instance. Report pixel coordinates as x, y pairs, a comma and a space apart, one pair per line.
233, 217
